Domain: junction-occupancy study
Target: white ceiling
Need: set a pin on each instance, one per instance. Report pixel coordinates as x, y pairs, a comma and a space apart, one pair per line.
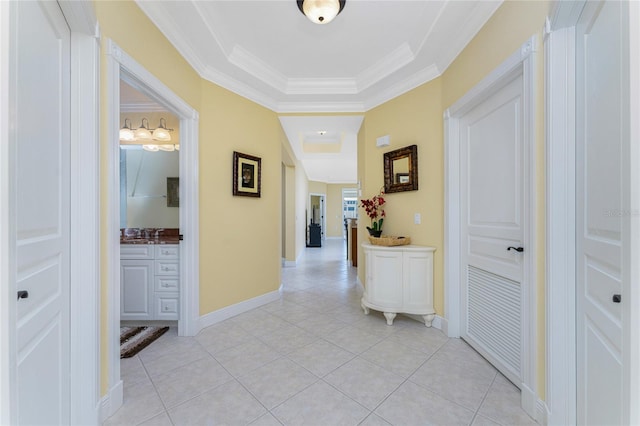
268, 52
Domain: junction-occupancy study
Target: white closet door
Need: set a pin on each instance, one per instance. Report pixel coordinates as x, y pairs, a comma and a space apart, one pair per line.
492, 220
602, 180
40, 144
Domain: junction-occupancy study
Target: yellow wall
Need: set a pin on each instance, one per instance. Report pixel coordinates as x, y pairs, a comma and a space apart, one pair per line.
239, 236
416, 117
413, 118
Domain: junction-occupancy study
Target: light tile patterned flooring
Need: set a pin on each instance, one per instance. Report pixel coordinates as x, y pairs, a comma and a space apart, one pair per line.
314, 358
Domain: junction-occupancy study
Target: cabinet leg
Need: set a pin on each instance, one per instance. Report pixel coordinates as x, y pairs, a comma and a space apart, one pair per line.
428, 319
364, 308
389, 316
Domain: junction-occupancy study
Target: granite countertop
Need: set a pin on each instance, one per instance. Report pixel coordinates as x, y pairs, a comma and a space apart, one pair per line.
149, 236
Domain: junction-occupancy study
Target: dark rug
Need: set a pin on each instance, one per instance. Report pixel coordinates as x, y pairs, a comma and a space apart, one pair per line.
135, 339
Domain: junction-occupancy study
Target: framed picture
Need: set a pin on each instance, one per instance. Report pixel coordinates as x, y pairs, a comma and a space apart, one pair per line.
173, 193
246, 175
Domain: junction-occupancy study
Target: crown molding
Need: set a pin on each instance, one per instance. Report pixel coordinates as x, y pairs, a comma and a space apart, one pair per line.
399, 58
319, 107
421, 77
239, 88
254, 66
332, 86
142, 107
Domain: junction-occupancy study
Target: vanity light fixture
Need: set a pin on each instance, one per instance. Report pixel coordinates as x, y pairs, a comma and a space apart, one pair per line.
126, 133
143, 133
321, 11
162, 133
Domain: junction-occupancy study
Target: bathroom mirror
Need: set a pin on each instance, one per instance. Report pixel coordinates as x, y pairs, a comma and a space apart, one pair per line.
401, 170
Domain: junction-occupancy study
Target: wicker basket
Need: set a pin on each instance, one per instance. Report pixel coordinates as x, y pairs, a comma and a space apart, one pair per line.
387, 240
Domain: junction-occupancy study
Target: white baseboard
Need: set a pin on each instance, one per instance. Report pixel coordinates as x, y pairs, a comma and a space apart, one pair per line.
289, 263
111, 402
237, 309
437, 321
542, 413
529, 401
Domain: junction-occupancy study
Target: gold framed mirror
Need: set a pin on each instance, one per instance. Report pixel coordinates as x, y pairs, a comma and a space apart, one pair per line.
401, 170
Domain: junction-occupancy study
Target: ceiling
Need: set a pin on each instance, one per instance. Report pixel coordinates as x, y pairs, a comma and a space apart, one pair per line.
270, 53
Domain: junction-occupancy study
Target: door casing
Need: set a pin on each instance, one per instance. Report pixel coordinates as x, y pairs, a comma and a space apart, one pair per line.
121, 65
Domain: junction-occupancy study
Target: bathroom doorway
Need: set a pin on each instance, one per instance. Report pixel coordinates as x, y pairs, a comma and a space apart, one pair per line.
121, 66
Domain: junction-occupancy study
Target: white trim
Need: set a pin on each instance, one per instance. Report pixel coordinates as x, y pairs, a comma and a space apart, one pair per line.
520, 62
238, 308
107, 405
633, 318
289, 263
561, 226
7, 314
85, 215
121, 65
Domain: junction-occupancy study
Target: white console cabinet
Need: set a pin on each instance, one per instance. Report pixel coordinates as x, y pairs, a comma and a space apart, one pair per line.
149, 281
399, 279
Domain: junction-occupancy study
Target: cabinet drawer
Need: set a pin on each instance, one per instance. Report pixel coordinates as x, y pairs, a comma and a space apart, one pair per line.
166, 306
136, 251
171, 251
167, 268
164, 284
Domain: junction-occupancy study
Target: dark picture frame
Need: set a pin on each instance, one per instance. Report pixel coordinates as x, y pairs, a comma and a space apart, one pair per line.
173, 192
247, 175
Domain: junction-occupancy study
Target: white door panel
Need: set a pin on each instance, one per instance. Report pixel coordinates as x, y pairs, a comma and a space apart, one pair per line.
39, 101
600, 181
492, 197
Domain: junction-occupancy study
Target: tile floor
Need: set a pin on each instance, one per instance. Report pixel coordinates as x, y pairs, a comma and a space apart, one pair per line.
314, 358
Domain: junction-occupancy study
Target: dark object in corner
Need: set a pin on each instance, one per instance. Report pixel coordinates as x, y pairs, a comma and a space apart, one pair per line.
314, 235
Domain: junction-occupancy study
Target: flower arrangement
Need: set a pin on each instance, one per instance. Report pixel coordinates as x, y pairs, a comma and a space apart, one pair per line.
373, 208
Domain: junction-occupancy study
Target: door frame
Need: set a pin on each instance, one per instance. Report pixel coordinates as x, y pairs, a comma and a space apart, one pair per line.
523, 61
560, 105
323, 213
120, 64
85, 215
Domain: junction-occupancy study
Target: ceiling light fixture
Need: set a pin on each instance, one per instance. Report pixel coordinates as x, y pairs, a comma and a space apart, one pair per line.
321, 11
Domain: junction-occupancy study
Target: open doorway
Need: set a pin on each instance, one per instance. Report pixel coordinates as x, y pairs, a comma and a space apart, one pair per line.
317, 222
185, 262
149, 211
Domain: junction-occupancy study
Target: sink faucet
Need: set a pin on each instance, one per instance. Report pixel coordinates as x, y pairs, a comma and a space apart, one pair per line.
157, 234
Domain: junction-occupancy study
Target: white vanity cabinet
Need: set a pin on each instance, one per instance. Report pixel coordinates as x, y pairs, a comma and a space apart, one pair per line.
150, 281
399, 279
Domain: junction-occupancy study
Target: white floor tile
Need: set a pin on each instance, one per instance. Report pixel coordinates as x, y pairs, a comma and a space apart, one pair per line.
314, 358
228, 404
320, 404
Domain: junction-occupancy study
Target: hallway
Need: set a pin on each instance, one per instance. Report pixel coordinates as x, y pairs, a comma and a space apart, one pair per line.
314, 358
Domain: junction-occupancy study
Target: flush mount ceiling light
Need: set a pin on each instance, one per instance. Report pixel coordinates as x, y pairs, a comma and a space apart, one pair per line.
321, 11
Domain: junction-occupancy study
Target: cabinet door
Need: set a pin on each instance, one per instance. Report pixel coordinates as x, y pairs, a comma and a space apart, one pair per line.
384, 287
418, 285
136, 289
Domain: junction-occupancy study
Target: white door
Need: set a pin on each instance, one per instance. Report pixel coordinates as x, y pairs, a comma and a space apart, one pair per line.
602, 181
493, 219
40, 147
